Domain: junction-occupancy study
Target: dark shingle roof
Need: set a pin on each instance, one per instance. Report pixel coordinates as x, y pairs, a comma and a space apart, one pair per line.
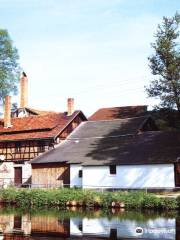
144, 148
102, 143
109, 127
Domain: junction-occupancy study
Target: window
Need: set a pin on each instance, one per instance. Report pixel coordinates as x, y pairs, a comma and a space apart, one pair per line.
112, 169
80, 173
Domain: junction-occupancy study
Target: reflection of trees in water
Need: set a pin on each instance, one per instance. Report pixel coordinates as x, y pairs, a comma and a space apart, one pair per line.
140, 215
55, 223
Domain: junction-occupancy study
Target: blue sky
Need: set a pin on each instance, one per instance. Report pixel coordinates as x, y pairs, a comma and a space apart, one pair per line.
93, 50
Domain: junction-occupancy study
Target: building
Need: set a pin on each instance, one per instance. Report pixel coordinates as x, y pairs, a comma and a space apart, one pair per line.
121, 153
112, 113
26, 133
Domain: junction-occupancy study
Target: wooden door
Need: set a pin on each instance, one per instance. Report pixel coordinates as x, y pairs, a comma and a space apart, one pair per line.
17, 176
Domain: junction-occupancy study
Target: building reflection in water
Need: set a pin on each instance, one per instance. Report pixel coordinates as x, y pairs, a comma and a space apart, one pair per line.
27, 227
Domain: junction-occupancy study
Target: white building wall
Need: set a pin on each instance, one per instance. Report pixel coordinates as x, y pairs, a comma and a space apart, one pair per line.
7, 172
26, 171
129, 176
74, 175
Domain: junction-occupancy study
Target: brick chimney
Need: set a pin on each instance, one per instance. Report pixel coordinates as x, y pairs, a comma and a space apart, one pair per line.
7, 112
23, 90
70, 106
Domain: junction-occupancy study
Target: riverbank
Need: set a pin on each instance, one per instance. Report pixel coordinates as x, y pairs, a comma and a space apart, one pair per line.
32, 198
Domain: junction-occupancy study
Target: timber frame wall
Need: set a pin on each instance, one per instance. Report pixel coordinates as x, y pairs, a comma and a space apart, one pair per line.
25, 150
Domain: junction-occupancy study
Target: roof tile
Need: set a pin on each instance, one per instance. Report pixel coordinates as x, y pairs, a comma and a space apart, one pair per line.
35, 127
118, 112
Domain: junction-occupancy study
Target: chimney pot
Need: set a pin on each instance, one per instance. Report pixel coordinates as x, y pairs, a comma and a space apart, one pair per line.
70, 106
23, 91
7, 112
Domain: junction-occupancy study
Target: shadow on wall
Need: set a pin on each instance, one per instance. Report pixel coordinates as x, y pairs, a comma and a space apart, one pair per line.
28, 181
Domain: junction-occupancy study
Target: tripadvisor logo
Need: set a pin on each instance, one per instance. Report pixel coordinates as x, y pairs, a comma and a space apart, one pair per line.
139, 231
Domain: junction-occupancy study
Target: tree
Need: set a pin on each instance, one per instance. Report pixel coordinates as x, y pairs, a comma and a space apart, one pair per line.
9, 66
165, 64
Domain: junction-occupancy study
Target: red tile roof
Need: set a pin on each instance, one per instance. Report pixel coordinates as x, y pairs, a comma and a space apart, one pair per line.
36, 127
118, 112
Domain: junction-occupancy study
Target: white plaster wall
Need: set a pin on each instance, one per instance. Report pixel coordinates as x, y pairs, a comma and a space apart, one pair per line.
132, 176
7, 172
26, 171
74, 175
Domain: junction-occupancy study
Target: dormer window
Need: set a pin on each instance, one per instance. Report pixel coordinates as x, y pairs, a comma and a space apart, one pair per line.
22, 113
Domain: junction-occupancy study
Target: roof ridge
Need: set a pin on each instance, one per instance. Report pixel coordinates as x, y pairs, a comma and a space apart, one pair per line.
143, 105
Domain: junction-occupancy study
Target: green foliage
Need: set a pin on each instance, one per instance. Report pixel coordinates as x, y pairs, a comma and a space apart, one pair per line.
39, 198
169, 203
166, 119
151, 201
8, 195
178, 200
165, 64
9, 66
139, 216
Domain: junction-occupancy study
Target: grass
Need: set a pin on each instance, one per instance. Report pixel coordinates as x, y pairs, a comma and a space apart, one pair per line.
35, 198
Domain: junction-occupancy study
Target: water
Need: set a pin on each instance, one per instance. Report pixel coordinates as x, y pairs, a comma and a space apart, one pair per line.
74, 223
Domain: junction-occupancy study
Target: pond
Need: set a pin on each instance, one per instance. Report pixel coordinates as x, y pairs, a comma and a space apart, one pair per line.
74, 223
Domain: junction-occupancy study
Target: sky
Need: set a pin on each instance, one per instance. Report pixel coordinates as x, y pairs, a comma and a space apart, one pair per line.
95, 51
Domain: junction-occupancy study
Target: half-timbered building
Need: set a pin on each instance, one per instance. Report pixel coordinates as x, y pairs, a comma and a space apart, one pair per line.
26, 133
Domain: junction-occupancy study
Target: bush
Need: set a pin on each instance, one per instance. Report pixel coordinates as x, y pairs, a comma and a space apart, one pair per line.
169, 203
151, 201
36, 198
